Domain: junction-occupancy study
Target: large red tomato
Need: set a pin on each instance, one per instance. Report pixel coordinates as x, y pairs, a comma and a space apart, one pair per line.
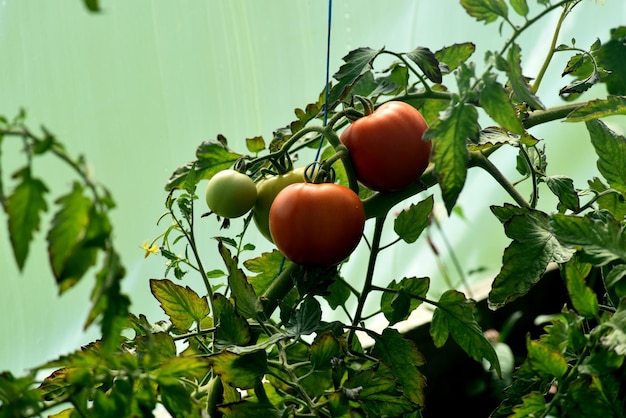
386, 147
316, 224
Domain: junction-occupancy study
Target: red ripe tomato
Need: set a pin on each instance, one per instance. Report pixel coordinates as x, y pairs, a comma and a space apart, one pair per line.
316, 224
386, 147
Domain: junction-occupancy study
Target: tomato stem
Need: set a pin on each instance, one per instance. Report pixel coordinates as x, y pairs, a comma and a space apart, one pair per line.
371, 265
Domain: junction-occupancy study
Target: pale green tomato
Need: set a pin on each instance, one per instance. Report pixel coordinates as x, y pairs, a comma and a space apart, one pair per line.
230, 194
267, 189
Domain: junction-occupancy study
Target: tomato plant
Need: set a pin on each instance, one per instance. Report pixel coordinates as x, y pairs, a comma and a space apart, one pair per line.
294, 331
387, 146
316, 224
230, 194
267, 189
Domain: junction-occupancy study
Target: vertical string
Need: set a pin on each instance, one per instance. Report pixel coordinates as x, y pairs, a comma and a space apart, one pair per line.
326, 88
330, 18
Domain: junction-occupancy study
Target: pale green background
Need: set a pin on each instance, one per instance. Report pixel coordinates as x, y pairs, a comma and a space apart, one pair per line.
139, 86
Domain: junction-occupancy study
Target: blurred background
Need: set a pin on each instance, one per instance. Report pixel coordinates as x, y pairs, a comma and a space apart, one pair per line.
137, 87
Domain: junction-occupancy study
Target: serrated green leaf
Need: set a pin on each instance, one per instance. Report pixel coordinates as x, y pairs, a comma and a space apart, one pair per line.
493, 136
398, 305
611, 150
395, 82
546, 360
455, 316
338, 293
520, 7
323, 350
255, 144
485, 10
181, 304
614, 281
248, 408
177, 367
306, 318
211, 157
357, 63
176, 399
563, 188
427, 62
583, 298
239, 371
403, 359
153, 349
232, 328
455, 54
581, 86
533, 404
615, 337
24, 207
517, 80
267, 265
601, 238
495, 100
612, 202
412, 221
599, 108
69, 249
612, 57
246, 301
449, 136
527, 257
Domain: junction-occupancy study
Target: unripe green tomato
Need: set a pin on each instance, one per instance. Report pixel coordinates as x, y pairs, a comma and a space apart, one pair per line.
267, 189
230, 194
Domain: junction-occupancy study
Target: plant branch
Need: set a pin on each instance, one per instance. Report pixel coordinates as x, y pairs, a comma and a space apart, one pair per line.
479, 160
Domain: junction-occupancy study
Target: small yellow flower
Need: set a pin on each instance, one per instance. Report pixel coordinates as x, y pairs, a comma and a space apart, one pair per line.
153, 249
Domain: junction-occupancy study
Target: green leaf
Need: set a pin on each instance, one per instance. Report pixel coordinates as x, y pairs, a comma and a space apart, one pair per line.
306, 318
403, 358
246, 301
612, 202
611, 150
492, 136
211, 158
485, 10
563, 188
600, 237
599, 108
533, 404
455, 316
427, 62
520, 7
255, 144
495, 100
545, 360
338, 293
449, 136
614, 281
239, 371
411, 222
176, 399
154, 349
323, 350
612, 57
583, 298
393, 83
232, 328
267, 265
92, 5
398, 305
69, 248
181, 304
455, 54
24, 207
517, 80
614, 337
527, 257
177, 367
357, 63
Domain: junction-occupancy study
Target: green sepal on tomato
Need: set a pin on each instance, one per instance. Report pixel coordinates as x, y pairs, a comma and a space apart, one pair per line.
316, 224
230, 194
386, 147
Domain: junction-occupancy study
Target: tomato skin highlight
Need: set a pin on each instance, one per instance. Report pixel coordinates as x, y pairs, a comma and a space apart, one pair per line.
386, 147
230, 194
267, 190
317, 224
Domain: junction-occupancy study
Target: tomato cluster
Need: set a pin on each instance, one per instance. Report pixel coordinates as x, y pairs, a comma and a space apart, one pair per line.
321, 224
